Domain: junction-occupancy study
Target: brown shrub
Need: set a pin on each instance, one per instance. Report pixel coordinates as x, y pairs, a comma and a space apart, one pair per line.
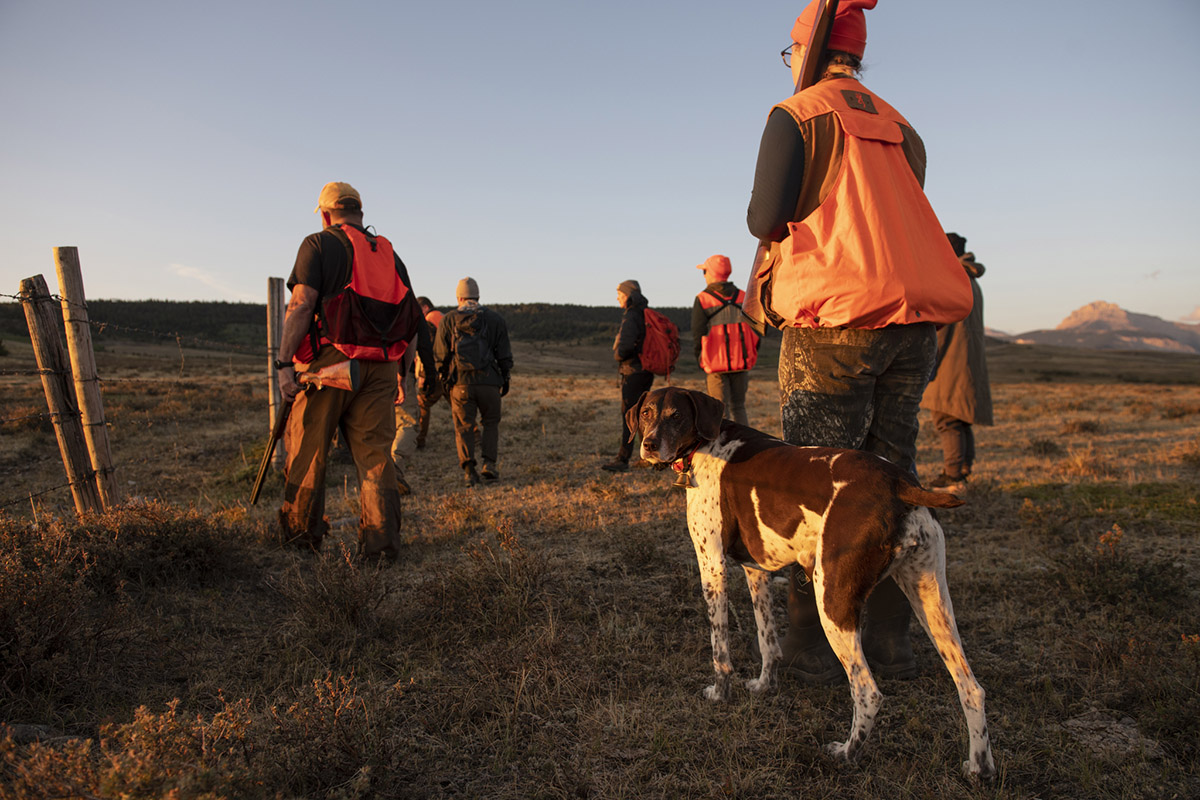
1078, 426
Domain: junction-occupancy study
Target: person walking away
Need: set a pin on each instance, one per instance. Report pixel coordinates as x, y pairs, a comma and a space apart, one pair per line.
351, 298
429, 388
726, 345
859, 276
960, 393
627, 351
404, 444
474, 358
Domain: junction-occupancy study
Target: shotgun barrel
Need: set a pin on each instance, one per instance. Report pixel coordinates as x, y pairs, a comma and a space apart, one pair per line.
345, 375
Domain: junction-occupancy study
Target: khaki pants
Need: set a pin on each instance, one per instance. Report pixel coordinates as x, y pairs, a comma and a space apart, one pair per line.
367, 421
730, 388
404, 446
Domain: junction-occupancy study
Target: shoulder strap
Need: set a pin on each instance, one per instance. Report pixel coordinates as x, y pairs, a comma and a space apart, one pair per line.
725, 303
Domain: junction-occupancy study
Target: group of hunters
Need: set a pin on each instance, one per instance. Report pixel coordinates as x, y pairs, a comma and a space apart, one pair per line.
872, 297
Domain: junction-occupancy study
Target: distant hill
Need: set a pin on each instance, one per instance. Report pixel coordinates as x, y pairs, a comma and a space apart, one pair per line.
1107, 326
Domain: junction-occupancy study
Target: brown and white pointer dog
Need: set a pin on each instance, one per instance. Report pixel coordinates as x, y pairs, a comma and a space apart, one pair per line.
849, 518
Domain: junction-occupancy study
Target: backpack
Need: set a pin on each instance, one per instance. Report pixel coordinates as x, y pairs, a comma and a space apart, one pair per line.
731, 344
472, 350
660, 348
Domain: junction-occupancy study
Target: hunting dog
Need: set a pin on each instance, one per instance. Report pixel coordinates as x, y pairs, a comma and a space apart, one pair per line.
849, 518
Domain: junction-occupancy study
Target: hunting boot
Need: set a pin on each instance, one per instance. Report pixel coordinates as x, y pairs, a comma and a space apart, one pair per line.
885, 635
807, 655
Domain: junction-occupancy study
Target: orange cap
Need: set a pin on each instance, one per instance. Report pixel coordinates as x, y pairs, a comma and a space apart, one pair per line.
716, 268
849, 32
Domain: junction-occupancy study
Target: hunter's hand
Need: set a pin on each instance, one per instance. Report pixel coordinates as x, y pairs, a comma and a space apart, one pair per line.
287, 383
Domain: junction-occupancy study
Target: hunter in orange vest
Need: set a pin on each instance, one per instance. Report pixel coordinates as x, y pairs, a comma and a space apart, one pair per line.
859, 277
351, 298
726, 346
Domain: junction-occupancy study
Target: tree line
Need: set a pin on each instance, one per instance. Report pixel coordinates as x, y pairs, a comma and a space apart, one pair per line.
245, 324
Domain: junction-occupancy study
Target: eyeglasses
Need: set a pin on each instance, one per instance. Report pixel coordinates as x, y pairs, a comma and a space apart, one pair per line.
786, 54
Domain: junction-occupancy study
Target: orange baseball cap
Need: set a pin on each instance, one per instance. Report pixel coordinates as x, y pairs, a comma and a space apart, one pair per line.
718, 267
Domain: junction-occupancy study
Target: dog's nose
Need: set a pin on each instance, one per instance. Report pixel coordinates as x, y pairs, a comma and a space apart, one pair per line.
650, 442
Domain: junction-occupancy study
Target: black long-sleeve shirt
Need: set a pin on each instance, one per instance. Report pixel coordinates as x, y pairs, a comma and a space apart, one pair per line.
324, 264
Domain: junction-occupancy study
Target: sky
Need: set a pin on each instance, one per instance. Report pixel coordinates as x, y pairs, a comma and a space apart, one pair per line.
553, 148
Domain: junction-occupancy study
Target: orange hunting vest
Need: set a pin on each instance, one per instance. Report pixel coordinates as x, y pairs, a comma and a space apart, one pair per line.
374, 316
873, 253
730, 345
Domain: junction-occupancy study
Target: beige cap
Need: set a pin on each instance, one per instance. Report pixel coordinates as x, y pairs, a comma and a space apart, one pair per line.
468, 288
336, 194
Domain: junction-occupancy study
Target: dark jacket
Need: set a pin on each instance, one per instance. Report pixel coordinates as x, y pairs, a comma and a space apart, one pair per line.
455, 324
960, 385
627, 349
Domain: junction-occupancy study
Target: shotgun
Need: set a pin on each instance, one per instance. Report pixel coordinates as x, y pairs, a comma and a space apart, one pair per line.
814, 51
344, 375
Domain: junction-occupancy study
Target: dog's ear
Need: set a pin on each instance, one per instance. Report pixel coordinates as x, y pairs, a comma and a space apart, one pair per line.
709, 411
631, 417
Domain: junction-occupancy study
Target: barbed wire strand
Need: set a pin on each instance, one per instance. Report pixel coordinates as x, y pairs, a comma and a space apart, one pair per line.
101, 326
29, 497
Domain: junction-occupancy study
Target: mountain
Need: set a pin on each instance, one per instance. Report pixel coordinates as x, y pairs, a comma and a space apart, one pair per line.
1107, 326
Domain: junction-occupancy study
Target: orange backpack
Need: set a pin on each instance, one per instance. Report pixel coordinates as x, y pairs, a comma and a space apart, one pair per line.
660, 348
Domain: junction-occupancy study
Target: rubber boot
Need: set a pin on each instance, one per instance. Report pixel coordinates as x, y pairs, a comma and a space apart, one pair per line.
885, 635
807, 656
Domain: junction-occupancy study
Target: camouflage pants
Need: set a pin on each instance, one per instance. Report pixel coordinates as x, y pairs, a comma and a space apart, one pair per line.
859, 389
367, 420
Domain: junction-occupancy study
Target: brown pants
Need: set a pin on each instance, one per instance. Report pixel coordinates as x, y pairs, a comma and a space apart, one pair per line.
465, 401
425, 402
367, 420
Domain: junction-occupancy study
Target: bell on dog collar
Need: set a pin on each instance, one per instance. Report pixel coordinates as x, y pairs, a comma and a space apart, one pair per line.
684, 480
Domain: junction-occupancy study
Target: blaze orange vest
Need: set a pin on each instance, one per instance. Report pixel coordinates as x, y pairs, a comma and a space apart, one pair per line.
374, 316
730, 345
873, 253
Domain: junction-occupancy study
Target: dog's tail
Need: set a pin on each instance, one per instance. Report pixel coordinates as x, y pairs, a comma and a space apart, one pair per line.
915, 495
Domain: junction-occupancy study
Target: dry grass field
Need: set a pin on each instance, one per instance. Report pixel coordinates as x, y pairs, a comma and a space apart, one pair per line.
545, 637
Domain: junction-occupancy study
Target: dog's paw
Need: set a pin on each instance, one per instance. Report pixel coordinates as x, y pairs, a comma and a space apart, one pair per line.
758, 685
985, 774
714, 693
839, 750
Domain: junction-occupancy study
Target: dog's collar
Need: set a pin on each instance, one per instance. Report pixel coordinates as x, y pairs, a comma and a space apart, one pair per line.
683, 465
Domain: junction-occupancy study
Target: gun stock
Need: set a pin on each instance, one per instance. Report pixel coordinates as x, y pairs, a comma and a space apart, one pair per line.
344, 375
814, 48
810, 65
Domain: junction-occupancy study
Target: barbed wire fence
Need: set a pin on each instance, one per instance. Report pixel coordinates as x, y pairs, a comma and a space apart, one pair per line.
93, 474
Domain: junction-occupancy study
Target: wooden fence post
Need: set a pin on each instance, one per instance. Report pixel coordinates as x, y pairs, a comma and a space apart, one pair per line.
275, 309
83, 365
56, 382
